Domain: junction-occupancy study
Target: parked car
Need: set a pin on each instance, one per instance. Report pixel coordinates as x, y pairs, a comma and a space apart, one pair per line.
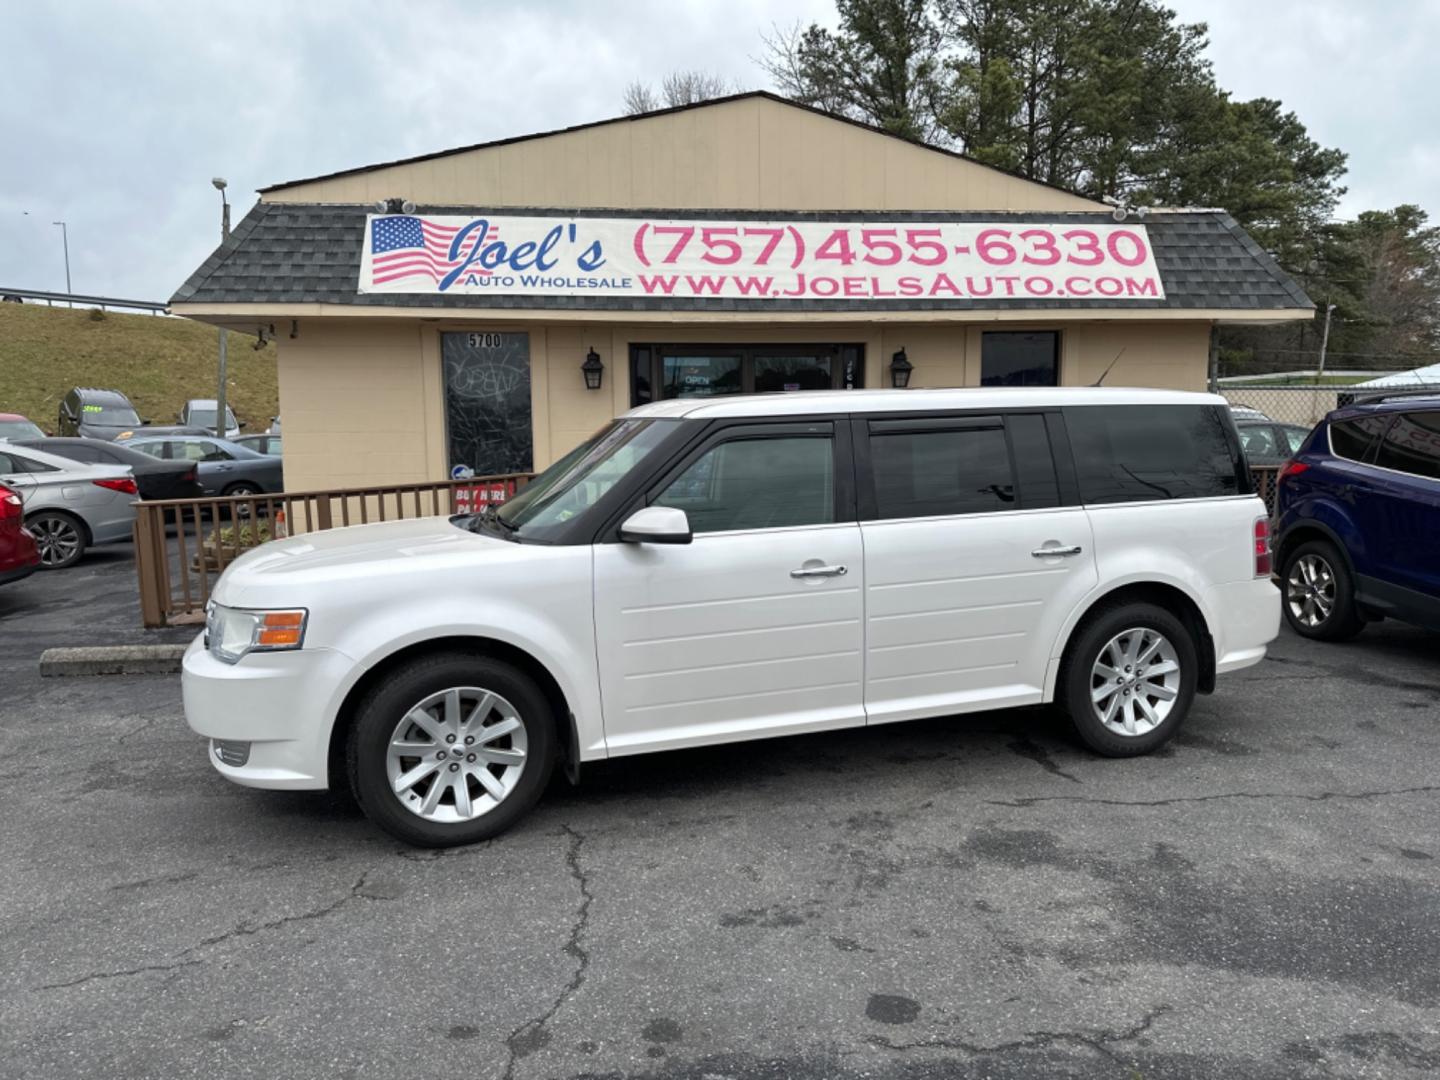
225, 467
19, 555
1266, 442
69, 506
1358, 519
200, 413
15, 426
261, 444
710, 570
1246, 412
156, 478
151, 431
97, 414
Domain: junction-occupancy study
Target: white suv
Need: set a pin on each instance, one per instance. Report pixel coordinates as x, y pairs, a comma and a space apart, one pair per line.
704, 571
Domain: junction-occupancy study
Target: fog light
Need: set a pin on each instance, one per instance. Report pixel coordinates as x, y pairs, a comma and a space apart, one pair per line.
232, 752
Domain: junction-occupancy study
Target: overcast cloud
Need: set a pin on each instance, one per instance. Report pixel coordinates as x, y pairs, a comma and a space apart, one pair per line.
118, 115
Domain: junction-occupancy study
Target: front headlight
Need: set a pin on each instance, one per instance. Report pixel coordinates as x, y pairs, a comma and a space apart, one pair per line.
230, 633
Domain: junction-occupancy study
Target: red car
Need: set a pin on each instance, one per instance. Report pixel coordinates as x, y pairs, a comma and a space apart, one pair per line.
19, 557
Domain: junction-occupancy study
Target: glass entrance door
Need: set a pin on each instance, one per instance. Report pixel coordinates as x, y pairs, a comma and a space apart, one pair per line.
487, 402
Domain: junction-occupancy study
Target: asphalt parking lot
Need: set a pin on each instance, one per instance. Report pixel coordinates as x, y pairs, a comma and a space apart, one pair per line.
969, 897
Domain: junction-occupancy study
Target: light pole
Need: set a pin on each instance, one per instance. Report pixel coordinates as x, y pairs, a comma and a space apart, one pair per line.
65, 239
220, 407
1320, 368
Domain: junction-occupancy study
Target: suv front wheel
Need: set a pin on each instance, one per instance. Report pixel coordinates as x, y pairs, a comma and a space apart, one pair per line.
1129, 678
1319, 593
451, 748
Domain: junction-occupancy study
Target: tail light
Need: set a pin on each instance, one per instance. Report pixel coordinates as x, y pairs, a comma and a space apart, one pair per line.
12, 507
194, 473
1289, 469
1263, 561
123, 484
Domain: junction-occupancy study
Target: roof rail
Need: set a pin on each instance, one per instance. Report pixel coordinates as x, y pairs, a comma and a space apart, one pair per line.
1432, 390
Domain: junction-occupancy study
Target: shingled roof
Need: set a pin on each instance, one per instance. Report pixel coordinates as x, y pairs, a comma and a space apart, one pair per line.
307, 253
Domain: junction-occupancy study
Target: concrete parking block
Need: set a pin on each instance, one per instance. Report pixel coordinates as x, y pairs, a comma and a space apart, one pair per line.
112, 660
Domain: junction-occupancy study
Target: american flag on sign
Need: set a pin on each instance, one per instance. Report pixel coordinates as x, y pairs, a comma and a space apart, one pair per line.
402, 247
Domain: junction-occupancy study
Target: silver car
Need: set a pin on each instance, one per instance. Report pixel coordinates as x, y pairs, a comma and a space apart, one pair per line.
68, 505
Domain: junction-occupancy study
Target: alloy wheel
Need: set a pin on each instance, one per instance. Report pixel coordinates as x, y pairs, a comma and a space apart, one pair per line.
57, 538
456, 754
1134, 681
1310, 590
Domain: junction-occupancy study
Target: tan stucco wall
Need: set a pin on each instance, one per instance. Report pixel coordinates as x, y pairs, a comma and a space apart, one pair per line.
752, 153
363, 404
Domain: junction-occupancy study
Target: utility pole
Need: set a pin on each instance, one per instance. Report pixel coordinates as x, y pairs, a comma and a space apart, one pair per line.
65, 239
220, 404
1320, 368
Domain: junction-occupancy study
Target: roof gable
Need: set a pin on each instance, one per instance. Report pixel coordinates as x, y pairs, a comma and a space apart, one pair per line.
746, 151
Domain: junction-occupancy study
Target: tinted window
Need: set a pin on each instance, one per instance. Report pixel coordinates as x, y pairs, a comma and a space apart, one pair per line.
757, 484
934, 473
1019, 358
1130, 453
1412, 444
1353, 438
1034, 462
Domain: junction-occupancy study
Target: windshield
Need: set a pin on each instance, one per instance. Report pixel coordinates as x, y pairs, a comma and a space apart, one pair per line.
578, 480
19, 429
118, 415
206, 418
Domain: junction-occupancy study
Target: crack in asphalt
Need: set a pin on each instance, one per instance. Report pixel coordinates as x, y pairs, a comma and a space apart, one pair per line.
1323, 796
1027, 748
531, 1035
1099, 1041
240, 930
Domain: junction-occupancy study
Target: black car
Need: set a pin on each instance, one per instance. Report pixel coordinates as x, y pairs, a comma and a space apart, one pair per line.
97, 414
1268, 442
156, 479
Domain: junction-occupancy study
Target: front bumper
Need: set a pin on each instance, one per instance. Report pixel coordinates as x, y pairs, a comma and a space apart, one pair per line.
282, 704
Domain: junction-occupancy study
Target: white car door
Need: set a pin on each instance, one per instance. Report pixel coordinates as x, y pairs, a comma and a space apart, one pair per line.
971, 563
753, 628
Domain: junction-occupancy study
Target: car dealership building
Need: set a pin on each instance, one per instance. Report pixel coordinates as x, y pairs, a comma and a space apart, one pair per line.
488, 307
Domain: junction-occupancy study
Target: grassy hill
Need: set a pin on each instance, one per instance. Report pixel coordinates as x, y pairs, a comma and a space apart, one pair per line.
155, 360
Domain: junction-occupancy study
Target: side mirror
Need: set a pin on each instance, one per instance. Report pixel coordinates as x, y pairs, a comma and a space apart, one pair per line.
656, 525
145, 423
243, 424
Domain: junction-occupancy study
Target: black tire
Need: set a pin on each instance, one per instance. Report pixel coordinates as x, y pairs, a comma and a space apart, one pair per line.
393, 698
1343, 621
61, 537
1078, 682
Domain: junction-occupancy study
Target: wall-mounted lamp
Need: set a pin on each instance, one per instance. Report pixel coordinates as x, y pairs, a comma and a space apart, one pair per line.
900, 368
592, 369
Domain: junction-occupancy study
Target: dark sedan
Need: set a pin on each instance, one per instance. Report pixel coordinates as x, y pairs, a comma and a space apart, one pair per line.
156, 479
225, 468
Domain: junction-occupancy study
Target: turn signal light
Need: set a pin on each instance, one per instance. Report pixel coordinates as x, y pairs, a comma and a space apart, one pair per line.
123, 484
280, 628
1263, 560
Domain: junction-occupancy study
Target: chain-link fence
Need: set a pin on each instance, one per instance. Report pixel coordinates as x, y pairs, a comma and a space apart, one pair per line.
1306, 405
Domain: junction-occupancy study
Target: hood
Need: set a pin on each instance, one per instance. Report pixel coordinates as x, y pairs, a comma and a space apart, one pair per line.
357, 553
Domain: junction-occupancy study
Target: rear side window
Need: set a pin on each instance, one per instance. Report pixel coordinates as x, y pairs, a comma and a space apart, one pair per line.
1130, 453
1353, 439
1412, 445
960, 470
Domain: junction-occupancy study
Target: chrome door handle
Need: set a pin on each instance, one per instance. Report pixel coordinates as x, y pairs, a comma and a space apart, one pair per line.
1052, 552
818, 571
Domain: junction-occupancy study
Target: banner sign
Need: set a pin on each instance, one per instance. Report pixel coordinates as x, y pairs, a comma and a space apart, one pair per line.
778, 260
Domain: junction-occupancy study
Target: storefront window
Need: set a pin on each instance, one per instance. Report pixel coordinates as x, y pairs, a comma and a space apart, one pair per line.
1020, 358
658, 372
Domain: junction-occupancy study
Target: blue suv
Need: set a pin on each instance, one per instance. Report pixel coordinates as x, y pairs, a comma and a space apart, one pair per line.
1358, 519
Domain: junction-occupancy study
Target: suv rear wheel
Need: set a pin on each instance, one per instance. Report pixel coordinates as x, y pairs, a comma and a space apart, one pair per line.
451, 749
1129, 679
1319, 593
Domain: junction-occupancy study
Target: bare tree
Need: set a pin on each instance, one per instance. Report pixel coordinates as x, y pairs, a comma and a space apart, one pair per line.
677, 89
639, 98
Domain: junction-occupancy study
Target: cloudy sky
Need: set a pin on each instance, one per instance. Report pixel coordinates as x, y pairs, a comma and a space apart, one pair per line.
118, 114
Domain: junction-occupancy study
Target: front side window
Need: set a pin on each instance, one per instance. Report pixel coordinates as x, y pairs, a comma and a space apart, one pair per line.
938, 473
1412, 445
1134, 453
579, 479
1020, 358
763, 483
